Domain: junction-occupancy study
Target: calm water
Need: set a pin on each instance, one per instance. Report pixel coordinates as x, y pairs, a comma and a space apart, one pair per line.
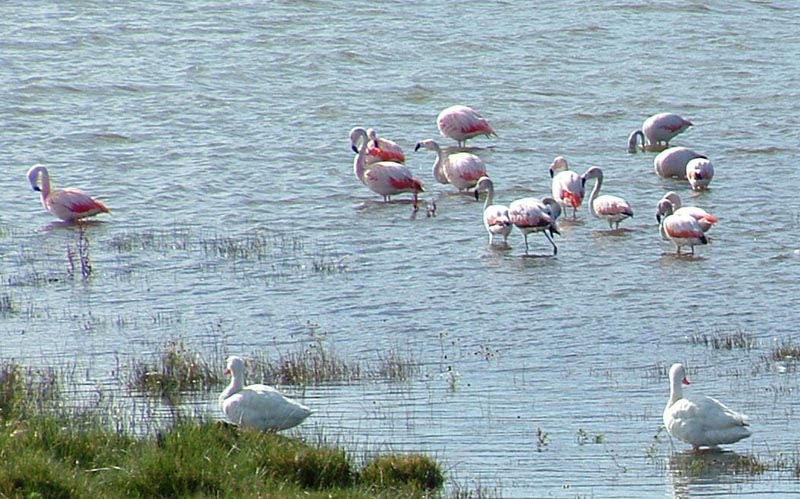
214, 123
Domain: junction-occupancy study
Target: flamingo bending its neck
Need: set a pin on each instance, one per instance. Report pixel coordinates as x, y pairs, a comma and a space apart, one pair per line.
704, 218
699, 173
681, 229
495, 216
461, 123
382, 149
699, 420
68, 204
535, 215
657, 131
612, 209
386, 178
568, 187
260, 407
461, 169
671, 163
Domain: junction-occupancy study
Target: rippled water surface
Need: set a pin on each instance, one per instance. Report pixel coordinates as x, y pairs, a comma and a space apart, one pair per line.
217, 134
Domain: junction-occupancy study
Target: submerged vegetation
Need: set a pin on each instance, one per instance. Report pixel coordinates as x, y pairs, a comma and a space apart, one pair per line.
725, 340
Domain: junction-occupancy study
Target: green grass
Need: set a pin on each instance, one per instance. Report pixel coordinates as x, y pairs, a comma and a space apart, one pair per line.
48, 452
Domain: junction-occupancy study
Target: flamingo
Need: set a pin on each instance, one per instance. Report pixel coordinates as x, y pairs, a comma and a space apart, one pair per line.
386, 178
704, 218
699, 420
657, 131
68, 204
382, 149
671, 163
260, 407
682, 230
568, 187
495, 216
535, 215
612, 209
461, 123
461, 169
699, 172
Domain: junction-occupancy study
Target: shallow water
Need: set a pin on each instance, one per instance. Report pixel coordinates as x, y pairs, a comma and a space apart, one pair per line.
218, 137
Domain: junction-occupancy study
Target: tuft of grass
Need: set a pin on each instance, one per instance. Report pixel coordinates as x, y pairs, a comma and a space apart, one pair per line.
785, 351
174, 371
714, 463
25, 391
419, 472
725, 341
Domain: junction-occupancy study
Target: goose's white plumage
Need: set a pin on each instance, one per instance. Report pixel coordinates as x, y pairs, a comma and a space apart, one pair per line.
260, 407
698, 420
495, 216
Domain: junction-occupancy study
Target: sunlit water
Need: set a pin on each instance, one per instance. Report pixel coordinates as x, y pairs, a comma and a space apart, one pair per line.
212, 123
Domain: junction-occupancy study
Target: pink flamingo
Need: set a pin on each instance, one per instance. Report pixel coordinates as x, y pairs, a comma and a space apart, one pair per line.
612, 209
461, 169
461, 123
535, 215
657, 131
704, 218
386, 178
671, 163
568, 187
699, 172
682, 230
381, 149
495, 216
68, 204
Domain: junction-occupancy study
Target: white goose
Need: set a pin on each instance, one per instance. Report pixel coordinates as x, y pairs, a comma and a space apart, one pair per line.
699, 420
495, 216
260, 407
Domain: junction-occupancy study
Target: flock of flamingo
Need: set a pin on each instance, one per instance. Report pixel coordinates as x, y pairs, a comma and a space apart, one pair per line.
379, 164
702, 422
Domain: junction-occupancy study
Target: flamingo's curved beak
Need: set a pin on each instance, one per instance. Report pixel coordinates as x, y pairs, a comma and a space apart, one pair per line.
354, 148
417, 146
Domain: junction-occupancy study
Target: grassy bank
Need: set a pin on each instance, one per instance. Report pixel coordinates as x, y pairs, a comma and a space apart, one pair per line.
48, 452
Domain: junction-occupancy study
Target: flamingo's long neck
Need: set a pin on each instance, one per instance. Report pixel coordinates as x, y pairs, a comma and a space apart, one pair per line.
489, 198
598, 176
439, 165
361, 160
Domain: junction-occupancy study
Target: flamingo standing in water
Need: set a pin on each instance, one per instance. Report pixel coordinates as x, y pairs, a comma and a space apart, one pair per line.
461, 169
535, 215
68, 204
495, 216
671, 163
382, 149
386, 178
699, 172
699, 420
568, 187
657, 131
704, 218
682, 230
612, 209
260, 407
461, 123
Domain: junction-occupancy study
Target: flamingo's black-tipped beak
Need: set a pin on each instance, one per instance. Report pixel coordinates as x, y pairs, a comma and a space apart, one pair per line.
477, 195
354, 148
658, 218
417, 146
551, 172
37, 188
